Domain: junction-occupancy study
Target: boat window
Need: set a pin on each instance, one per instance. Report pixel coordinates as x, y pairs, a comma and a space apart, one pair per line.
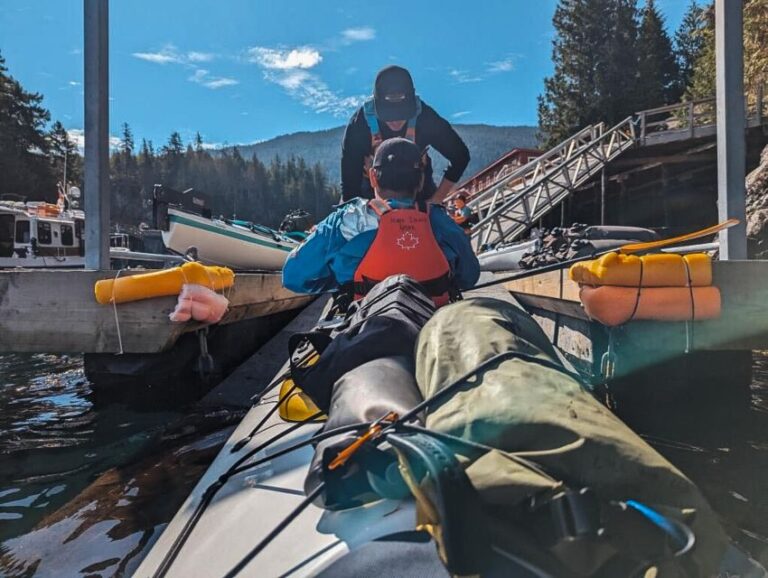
6, 235
79, 228
44, 233
22, 231
67, 235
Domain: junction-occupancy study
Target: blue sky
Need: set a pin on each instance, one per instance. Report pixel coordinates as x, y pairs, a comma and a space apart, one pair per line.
240, 71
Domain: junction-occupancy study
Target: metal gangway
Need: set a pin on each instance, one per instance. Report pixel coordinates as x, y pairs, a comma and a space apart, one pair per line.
519, 198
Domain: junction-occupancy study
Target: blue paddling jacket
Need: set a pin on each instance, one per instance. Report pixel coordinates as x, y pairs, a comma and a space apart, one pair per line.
331, 254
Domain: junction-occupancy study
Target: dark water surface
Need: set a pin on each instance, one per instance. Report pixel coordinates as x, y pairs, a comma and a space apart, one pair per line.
87, 485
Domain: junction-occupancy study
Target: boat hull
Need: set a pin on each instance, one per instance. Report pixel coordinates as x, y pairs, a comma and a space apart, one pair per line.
219, 243
506, 258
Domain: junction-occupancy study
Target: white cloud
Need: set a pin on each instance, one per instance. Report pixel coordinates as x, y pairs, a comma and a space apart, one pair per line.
168, 55
77, 136
303, 57
202, 77
361, 34
461, 113
200, 56
291, 70
220, 82
74, 83
464, 76
313, 92
507, 64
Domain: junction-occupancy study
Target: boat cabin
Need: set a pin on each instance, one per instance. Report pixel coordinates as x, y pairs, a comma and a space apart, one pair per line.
30, 230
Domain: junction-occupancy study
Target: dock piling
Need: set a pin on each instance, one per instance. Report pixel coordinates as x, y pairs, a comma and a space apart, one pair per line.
96, 101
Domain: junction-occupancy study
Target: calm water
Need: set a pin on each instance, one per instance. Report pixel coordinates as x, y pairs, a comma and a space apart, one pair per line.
87, 485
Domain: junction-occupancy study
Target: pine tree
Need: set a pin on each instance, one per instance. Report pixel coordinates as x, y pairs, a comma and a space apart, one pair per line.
702, 84
24, 164
689, 43
64, 156
595, 58
658, 73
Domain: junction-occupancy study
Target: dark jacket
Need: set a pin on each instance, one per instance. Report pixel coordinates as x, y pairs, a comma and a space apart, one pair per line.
431, 130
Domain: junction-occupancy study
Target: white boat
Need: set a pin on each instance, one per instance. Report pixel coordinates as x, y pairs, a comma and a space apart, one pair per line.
235, 244
506, 257
38, 234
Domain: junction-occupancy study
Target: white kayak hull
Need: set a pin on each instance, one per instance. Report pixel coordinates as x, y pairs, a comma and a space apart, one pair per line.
506, 258
253, 503
220, 243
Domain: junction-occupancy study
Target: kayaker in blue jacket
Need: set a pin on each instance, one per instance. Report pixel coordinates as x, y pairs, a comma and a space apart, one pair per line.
350, 248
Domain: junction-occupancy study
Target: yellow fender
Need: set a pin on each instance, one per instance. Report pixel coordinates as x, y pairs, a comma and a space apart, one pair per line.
164, 283
295, 405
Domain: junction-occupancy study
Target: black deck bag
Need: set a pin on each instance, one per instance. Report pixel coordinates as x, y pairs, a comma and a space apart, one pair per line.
385, 323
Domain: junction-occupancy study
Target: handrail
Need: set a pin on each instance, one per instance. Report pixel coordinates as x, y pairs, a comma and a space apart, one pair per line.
610, 142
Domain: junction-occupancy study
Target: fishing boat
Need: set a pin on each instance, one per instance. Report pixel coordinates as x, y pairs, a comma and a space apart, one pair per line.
278, 501
39, 234
187, 225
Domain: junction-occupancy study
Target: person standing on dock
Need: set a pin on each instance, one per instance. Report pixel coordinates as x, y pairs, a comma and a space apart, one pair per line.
365, 241
395, 110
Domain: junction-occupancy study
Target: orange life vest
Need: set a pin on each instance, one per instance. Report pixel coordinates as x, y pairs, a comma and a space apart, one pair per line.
404, 244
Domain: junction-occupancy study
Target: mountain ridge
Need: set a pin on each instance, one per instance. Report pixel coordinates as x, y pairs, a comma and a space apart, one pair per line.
486, 143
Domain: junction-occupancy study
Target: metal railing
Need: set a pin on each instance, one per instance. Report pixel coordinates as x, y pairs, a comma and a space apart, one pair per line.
695, 118
515, 203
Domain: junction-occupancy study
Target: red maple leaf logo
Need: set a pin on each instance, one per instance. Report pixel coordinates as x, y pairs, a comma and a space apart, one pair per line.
408, 241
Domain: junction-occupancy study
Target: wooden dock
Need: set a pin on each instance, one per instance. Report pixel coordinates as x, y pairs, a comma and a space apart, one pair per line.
720, 349
54, 311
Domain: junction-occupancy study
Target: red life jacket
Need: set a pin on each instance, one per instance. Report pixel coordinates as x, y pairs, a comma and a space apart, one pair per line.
404, 244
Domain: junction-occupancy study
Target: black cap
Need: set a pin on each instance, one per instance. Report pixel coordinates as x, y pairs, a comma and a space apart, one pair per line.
394, 97
397, 155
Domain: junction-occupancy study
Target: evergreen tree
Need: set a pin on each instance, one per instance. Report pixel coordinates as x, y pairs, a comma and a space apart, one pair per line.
658, 73
689, 43
24, 165
64, 157
702, 83
595, 58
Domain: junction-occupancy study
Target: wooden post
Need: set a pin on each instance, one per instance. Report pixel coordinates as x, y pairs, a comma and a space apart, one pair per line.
731, 119
96, 55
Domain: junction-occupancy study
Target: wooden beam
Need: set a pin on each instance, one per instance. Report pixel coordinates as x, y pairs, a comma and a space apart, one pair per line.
56, 312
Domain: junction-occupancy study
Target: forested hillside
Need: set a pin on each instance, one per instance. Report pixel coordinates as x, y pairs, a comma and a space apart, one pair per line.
486, 144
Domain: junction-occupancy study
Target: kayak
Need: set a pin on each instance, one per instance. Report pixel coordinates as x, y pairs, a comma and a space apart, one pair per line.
304, 486
506, 257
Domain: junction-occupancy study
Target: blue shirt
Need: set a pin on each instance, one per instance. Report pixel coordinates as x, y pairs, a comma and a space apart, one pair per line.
331, 254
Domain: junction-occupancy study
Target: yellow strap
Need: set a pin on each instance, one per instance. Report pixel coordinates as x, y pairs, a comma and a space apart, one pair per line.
651, 245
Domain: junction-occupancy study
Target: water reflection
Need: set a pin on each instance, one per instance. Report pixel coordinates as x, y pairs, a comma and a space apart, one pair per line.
721, 443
